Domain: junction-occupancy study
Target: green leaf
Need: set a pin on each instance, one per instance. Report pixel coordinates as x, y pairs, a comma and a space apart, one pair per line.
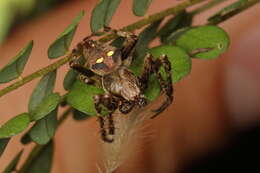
15, 67
175, 23
77, 115
81, 97
212, 40
171, 39
69, 79
44, 129
15, 126
48, 104
43, 88
103, 13
12, 165
140, 7
61, 45
40, 160
179, 59
153, 89
3, 144
141, 48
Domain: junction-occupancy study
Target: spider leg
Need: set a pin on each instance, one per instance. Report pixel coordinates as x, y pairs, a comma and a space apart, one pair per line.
128, 44
110, 103
153, 66
126, 106
85, 74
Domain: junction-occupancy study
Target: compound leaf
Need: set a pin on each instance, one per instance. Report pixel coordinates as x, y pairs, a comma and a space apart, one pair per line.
140, 7
3, 144
103, 13
61, 45
15, 126
16, 66
207, 41
48, 104
81, 96
43, 88
44, 129
12, 165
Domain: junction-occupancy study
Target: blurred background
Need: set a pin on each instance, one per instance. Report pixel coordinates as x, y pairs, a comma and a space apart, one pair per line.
213, 125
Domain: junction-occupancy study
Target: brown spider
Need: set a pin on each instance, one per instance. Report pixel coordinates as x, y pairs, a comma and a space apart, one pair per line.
108, 67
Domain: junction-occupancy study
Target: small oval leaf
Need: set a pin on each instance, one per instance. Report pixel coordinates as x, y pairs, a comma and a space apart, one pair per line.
61, 45
208, 41
48, 104
44, 129
3, 144
43, 88
110, 11
15, 67
81, 97
69, 79
12, 165
15, 126
102, 14
140, 7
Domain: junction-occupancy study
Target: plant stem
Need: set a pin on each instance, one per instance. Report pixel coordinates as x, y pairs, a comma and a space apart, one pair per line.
207, 6
137, 25
35, 75
223, 17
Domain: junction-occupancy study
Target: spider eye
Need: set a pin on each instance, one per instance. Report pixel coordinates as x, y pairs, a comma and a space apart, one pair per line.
100, 60
110, 53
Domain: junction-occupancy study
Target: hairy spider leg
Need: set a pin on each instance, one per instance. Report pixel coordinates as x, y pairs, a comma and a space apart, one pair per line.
153, 66
111, 104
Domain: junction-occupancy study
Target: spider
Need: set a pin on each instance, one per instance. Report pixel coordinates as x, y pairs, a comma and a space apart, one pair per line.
108, 67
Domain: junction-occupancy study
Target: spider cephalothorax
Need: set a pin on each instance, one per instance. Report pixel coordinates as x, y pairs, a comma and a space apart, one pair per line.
109, 66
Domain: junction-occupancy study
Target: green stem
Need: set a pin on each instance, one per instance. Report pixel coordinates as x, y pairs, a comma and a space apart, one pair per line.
137, 25
35, 75
207, 6
223, 17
